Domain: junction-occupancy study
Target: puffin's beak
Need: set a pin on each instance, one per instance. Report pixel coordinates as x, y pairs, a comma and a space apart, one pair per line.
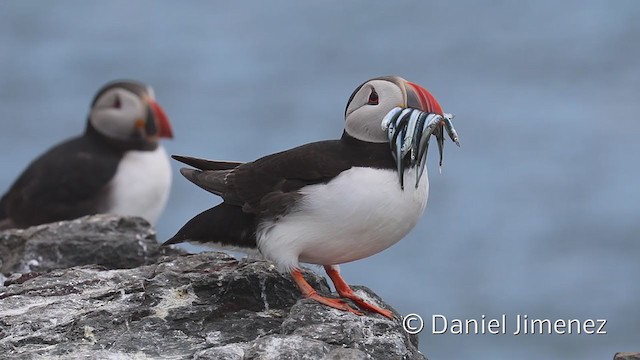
160, 120
421, 99
409, 130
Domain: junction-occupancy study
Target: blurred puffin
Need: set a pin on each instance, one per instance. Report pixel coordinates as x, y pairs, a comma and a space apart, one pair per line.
117, 165
325, 203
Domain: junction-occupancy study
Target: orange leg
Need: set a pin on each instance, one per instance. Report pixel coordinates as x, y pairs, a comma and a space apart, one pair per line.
345, 291
309, 292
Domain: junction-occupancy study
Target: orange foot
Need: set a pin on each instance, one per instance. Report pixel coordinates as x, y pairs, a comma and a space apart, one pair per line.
345, 291
310, 293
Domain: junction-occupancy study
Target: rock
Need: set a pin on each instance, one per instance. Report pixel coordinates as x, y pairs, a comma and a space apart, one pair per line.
111, 241
202, 306
627, 356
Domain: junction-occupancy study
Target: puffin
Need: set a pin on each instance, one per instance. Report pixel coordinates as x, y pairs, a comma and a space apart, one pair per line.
116, 166
328, 202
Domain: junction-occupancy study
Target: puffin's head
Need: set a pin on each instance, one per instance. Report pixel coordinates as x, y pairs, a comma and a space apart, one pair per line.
126, 110
371, 101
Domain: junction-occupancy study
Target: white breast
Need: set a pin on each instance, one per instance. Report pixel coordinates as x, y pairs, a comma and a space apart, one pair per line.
359, 213
141, 184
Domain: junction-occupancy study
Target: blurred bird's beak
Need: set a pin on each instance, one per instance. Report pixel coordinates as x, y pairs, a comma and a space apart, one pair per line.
159, 122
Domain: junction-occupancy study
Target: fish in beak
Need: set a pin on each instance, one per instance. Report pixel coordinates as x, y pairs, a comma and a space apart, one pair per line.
409, 130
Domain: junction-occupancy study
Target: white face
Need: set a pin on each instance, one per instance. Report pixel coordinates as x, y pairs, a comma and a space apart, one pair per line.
119, 114
369, 106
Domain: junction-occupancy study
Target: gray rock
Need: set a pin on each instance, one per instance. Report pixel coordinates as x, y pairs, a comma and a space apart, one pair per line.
108, 240
346, 354
203, 306
627, 356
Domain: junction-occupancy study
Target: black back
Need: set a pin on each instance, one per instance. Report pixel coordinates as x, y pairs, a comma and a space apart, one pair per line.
68, 181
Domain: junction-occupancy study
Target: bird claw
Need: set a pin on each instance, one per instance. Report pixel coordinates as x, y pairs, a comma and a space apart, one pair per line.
335, 303
409, 131
366, 306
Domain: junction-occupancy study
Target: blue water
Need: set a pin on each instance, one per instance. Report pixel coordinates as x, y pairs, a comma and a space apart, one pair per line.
537, 213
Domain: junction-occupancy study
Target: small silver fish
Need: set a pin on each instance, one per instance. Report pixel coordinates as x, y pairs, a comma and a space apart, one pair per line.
409, 131
448, 124
430, 124
391, 117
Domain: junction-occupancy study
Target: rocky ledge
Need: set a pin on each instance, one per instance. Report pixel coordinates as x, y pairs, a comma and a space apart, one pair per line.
106, 240
627, 356
163, 305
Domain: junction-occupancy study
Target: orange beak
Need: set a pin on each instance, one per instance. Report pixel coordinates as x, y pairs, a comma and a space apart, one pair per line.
161, 119
428, 103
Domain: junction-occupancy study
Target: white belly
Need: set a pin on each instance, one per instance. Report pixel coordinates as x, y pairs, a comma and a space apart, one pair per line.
141, 184
358, 214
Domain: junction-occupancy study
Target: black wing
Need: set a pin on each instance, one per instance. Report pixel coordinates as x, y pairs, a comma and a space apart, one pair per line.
68, 181
272, 182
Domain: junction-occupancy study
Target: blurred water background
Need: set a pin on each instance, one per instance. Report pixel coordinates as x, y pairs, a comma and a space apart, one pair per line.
537, 213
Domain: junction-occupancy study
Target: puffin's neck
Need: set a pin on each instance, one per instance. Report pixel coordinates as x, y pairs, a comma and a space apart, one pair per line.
120, 144
370, 154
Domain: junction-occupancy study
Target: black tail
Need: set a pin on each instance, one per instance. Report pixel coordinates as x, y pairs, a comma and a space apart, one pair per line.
224, 224
204, 164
